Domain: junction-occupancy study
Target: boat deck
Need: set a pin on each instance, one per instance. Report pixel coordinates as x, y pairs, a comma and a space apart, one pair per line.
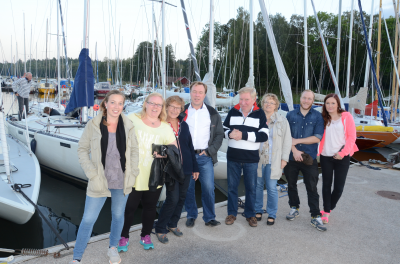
363, 229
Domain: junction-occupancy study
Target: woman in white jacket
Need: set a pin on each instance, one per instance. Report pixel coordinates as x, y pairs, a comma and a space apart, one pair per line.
274, 155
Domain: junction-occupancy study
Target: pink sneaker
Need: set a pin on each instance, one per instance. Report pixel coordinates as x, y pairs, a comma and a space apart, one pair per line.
123, 244
325, 217
146, 242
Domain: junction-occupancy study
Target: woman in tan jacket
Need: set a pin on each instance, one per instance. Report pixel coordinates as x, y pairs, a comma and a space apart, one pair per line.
109, 155
274, 155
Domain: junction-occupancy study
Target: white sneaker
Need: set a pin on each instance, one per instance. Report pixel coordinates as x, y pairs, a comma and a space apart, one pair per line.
74, 262
113, 255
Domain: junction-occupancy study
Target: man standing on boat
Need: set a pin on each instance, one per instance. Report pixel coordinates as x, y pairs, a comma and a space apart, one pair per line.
307, 128
205, 127
21, 88
245, 127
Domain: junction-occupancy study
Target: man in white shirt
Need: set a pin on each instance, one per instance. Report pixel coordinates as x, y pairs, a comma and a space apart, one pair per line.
207, 133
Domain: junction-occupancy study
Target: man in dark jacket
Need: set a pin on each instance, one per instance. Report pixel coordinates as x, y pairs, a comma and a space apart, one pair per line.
245, 128
207, 133
50, 111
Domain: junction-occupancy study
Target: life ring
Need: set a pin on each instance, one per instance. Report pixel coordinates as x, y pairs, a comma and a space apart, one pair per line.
63, 86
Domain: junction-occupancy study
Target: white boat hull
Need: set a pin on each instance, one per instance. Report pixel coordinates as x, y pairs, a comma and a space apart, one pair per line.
56, 150
13, 206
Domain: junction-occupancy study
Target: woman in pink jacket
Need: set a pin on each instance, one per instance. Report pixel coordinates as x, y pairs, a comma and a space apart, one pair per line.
338, 144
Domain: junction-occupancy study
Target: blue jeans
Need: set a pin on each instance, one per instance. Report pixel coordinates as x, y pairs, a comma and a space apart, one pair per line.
206, 179
171, 210
272, 192
93, 207
234, 170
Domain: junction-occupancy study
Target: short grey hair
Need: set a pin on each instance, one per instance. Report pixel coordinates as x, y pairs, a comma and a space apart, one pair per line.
270, 96
28, 73
251, 90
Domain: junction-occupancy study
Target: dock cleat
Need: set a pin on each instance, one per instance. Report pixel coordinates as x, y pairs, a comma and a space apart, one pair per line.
123, 244
146, 242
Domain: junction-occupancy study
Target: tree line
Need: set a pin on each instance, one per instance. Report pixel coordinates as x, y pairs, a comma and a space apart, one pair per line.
231, 55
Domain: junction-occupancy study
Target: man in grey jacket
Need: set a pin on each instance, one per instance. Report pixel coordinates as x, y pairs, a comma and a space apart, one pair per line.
207, 133
21, 88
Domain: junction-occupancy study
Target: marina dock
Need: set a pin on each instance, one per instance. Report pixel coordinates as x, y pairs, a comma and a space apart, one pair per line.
364, 228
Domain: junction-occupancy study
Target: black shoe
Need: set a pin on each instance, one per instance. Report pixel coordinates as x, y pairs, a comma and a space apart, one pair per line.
258, 218
270, 222
190, 222
213, 223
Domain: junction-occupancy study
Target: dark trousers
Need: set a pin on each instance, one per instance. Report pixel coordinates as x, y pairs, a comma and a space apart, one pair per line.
331, 166
149, 202
171, 210
310, 176
21, 103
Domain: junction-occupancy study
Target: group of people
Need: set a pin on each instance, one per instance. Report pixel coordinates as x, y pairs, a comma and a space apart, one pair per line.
117, 155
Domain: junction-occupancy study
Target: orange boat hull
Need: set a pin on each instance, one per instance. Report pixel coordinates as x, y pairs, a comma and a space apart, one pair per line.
386, 137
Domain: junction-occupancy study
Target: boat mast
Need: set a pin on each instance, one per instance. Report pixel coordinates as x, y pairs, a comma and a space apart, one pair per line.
47, 33
36, 63
30, 53
250, 82
97, 66
68, 70
196, 68
338, 41
394, 84
372, 65
367, 64
378, 52
85, 46
163, 49
391, 51
58, 59
305, 47
349, 57
395, 98
24, 48
12, 60
152, 36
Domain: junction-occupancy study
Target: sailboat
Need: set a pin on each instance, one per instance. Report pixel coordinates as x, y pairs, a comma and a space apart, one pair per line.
57, 137
18, 167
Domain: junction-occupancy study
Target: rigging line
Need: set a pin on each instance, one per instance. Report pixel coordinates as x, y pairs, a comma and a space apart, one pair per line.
12, 12
104, 24
133, 33
44, 19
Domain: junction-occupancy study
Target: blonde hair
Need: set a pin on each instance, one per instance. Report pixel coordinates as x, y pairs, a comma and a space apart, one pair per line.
199, 83
105, 100
163, 114
175, 99
273, 97
251, 90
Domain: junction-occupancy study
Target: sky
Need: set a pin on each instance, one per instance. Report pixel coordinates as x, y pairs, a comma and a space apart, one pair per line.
129, 22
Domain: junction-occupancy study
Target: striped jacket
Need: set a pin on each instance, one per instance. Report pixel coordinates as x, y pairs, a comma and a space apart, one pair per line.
22, 87
254, 130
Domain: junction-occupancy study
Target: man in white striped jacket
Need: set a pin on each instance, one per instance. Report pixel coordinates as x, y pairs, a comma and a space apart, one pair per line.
21, 88
245, 128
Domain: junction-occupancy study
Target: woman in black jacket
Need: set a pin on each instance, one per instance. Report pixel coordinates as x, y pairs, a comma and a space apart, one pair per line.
171, 210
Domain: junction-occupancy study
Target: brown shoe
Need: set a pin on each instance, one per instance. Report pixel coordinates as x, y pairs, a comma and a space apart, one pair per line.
252, 221
230, 219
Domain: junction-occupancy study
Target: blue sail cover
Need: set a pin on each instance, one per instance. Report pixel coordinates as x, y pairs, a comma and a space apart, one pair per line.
82, 94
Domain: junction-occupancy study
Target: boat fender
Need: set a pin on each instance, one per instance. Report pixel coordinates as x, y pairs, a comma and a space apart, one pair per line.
33, 145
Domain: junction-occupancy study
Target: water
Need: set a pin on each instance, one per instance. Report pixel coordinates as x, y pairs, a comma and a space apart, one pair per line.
62, 202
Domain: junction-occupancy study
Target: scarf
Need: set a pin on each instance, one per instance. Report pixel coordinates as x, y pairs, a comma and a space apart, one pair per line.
120, 138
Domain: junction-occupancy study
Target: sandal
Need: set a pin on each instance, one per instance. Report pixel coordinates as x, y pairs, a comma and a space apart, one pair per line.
270, 222
260, 216
162, 238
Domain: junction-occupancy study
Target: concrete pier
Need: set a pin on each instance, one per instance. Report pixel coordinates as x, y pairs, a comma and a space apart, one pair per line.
364, 228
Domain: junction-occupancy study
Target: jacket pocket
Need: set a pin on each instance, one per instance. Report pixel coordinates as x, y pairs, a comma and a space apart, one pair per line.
95, 184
